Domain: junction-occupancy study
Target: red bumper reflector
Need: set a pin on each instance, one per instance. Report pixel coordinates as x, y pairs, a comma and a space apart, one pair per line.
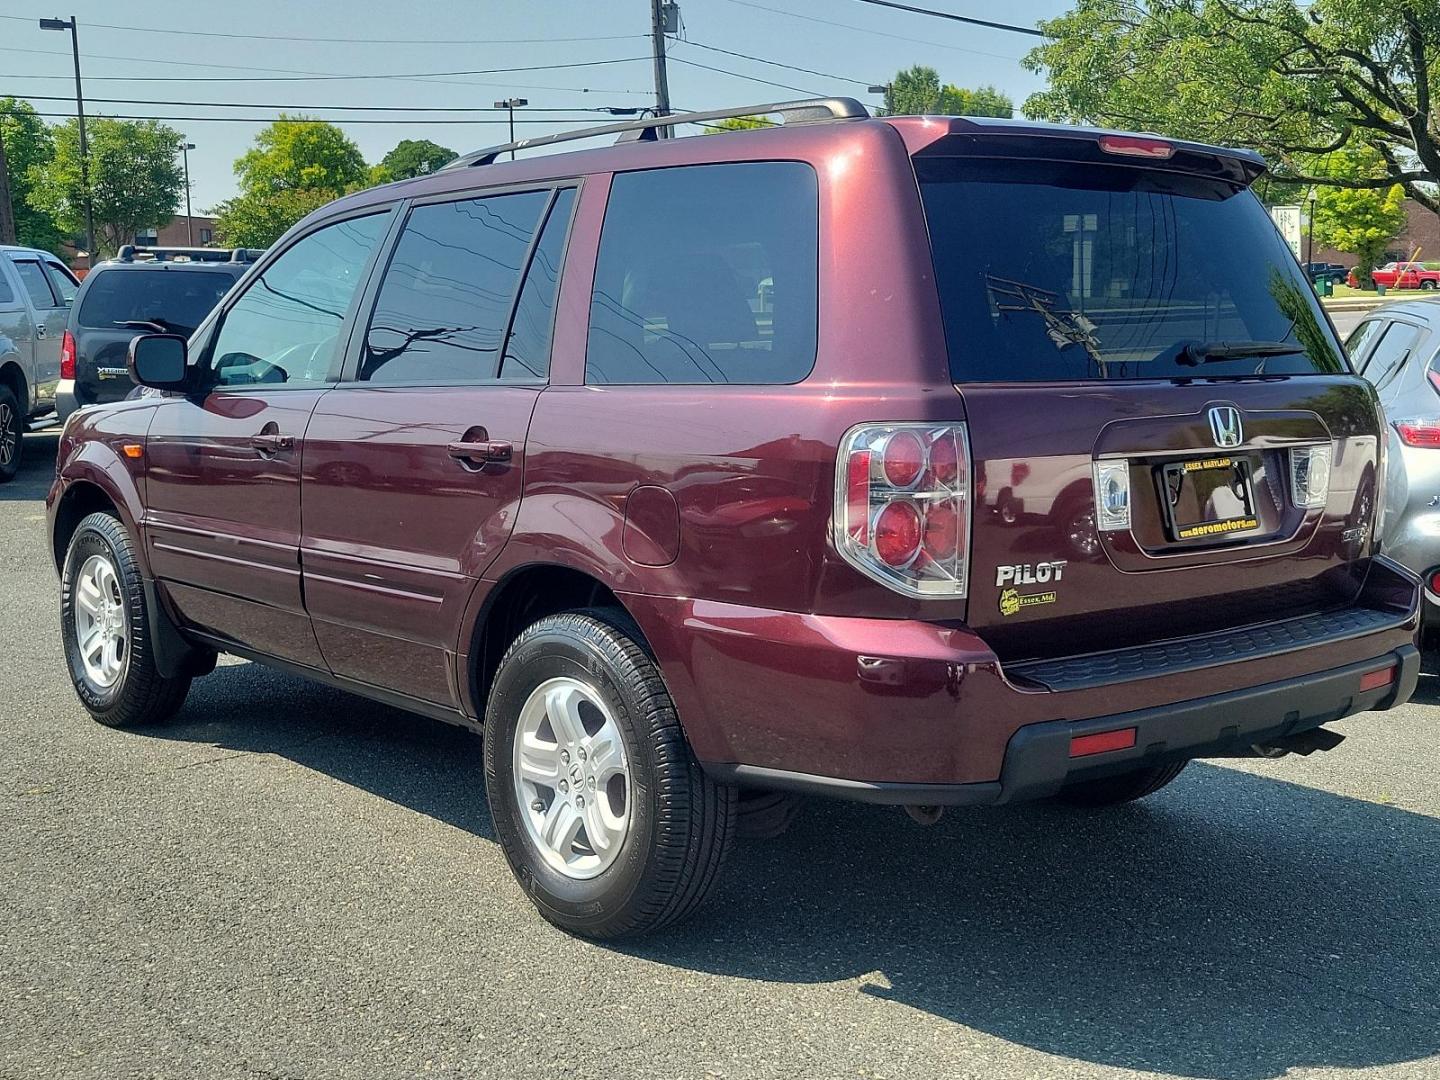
1371, 681
1102, 742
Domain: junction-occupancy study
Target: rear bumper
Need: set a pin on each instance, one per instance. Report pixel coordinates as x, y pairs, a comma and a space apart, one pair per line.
65, 399
898, 711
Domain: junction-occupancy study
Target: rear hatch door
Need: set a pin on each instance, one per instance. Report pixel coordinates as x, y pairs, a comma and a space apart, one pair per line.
1136, 326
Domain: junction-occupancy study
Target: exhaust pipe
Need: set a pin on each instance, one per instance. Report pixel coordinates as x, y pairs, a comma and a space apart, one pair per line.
925, 815
1303, 743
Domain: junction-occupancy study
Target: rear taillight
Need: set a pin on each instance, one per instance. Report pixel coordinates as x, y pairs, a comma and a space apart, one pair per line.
1417, 431
67, 356
902, 506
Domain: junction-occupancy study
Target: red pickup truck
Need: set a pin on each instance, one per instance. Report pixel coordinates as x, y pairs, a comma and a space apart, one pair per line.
1402, 275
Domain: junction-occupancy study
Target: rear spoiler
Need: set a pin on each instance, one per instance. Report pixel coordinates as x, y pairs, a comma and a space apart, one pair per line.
964, 136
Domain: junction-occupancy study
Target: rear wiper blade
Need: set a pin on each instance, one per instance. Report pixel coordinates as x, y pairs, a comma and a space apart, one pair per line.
158, 326
1195, 353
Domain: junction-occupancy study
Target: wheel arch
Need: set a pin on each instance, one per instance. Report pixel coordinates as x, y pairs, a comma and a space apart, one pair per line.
524, 594
12, 375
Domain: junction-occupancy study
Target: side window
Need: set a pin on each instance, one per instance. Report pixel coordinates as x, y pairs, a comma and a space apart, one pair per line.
446, 298
36, 284
528, 350
7, 292
63, 281
706, 274
1390, 352
286, 327
1360, 339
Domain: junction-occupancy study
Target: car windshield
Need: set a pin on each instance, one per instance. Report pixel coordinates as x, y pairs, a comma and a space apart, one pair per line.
178, 300
1058, 272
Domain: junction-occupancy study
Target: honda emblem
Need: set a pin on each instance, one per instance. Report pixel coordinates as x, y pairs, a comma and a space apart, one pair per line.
1225, 426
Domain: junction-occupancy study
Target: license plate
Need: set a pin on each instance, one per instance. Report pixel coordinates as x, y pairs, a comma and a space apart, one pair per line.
1208, 498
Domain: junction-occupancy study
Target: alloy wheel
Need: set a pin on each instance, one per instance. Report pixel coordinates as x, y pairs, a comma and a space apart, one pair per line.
572, 778
9, 434
101, 627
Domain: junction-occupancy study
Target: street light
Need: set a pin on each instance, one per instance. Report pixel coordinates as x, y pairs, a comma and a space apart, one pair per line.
69, 24
185, 148
511, 104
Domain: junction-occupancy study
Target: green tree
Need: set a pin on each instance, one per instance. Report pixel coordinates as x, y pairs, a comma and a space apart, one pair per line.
1295, 80
737, 123
1361, 221
27, 145
296, 165
917, 91
411, 157
135, 179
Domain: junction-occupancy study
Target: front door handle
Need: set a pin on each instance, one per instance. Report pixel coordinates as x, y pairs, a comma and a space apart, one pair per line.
268, 443
480, 451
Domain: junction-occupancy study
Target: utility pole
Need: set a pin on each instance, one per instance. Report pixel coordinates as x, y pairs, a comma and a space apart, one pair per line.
7, 212
69, 24
185, 148
510, 105
664, 17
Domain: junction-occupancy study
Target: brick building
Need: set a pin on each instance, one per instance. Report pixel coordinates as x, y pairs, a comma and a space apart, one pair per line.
1421, 231
173, 233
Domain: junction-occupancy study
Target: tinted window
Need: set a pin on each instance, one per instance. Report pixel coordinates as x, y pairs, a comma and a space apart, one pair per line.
62, 280
446, 299
1390, 351
528, 350
1051, 271
36, 284
178, 300
706, 274
7, 293
286, 327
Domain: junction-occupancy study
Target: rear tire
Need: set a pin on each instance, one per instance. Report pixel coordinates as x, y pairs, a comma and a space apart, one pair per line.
578, 706
106, 630
12, 428
1121, 788
765, 815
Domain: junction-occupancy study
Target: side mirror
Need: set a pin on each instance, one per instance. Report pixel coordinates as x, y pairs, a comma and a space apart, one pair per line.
158, 361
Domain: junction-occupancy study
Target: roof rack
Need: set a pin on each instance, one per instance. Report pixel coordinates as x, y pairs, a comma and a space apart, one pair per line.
130, 253
647, 129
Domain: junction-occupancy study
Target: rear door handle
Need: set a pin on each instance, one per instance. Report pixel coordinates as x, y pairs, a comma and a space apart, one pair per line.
267, 443
480, 451
40, 330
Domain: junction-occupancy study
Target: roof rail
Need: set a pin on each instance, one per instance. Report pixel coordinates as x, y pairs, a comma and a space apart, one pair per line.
129, 252
807, 111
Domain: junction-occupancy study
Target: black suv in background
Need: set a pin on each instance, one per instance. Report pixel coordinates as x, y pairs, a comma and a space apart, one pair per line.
141, 290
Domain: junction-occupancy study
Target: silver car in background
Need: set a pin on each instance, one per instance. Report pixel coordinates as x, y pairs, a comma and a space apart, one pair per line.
1397, 349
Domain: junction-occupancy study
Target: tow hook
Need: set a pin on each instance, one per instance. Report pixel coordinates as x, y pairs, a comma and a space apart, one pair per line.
1304, 743
925, 815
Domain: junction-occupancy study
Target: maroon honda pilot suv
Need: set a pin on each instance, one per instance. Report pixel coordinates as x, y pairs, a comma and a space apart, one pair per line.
921, 460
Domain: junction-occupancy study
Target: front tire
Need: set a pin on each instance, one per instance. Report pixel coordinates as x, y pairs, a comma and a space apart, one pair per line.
106, 631
1121, 788
605, 818
12, 428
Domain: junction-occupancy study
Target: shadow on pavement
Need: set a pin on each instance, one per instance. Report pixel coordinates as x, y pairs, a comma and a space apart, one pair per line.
37, 467
1233, 926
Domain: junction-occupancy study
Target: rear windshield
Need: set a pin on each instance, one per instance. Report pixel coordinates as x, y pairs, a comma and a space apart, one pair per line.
179, 300
1055, 271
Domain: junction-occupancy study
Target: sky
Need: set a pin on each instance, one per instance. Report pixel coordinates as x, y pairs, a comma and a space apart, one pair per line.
266, 54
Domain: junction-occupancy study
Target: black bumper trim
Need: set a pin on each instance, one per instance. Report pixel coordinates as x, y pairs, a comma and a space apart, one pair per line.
1038, 763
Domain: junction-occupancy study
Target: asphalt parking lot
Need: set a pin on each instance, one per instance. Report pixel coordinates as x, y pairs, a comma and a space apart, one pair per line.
291, 882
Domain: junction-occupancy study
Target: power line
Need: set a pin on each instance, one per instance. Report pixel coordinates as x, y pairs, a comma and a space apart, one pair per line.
293, 107
957, 18
283, 71
313, 119
344, 40
776, 63
872, 33
329, 78
751, 78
